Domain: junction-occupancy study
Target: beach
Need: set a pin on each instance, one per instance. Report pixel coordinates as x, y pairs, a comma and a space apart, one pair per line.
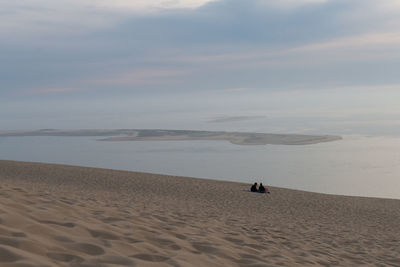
58, 215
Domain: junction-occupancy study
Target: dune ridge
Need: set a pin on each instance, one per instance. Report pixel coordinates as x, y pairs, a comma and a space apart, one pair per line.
57, 215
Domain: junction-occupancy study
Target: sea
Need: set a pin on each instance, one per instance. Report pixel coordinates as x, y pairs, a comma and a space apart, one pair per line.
356, 165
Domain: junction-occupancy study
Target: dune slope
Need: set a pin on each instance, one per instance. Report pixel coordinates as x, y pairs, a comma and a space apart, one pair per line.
55, 215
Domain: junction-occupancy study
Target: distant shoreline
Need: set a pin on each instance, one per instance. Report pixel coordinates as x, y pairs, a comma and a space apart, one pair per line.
237, 138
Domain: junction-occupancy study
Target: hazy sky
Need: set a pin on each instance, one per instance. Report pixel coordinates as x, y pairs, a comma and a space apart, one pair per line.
297, 65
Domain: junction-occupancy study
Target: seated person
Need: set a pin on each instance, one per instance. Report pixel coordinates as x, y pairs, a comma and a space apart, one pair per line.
254, 188
261, 189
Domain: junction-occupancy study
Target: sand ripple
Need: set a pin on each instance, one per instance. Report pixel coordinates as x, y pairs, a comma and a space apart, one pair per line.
53, 215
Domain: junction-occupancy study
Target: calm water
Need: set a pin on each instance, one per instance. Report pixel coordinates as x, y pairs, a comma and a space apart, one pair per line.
366, 166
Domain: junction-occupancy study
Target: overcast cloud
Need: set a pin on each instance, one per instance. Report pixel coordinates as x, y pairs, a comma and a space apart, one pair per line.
104, 53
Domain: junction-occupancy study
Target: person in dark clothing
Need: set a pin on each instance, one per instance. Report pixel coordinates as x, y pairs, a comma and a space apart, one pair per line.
254, 188
261, 188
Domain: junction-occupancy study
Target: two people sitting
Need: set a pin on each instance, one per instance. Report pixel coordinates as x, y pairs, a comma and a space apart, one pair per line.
261, 188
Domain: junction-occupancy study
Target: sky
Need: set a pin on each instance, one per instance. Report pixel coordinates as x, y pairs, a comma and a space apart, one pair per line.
304, 66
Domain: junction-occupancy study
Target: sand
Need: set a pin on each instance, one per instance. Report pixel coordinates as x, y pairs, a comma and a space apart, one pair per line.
55, 215
237, 138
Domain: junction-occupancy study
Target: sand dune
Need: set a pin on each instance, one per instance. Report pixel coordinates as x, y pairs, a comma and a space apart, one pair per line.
55, 215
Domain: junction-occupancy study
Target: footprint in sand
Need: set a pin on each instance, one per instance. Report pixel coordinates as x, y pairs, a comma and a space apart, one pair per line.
205, 247
63, 239
236, 241
166, 243
161, 218
64, 224
19, 190
260, 238
84, 264
8, 256
150, 257
64, 257
255, 246
106, 243
248, 260
87, 248
181, 237
97, 212
111, 219
18, 234
68, 201
117, 260
132, 240
103, 234
7, 241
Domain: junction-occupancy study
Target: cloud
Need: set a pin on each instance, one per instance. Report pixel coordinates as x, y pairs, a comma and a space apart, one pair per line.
33, 18
198, 45
376, 87
365, 40
288, 4
47, 91
200, 21
146, 5
141, 77
226, 119
234, 90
